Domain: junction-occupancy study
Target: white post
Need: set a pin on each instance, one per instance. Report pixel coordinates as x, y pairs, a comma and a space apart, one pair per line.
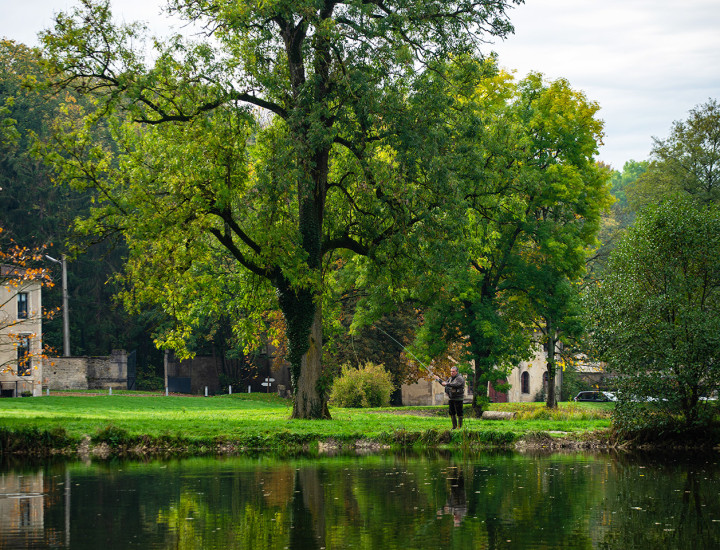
230, 390
165, 370
249, 389
47, 391
109, 391
205, 391
166, 391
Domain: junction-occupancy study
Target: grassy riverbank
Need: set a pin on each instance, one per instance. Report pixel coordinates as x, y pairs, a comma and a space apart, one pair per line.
149, 423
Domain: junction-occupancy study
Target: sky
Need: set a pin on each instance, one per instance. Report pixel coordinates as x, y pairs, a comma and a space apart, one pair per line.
645, 62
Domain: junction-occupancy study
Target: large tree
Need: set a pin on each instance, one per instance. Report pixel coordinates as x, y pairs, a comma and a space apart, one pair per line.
203, 194
657, 315
529, 198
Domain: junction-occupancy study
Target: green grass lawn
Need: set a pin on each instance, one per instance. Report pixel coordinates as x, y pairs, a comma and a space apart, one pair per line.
245, 415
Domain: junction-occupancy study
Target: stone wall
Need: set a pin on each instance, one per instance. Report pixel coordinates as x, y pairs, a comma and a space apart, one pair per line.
66, 373
423, 393
430, 393
83, 373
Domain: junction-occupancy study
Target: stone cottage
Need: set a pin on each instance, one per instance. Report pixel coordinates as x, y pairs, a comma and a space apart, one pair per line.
21, 367
528, 382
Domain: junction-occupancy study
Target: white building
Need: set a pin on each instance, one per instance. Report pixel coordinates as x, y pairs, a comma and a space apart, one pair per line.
20, 334
528, 382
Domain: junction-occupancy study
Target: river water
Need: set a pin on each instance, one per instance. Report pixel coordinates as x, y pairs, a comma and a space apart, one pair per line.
482, 501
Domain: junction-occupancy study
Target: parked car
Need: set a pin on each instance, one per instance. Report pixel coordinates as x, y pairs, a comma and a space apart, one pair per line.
595, 396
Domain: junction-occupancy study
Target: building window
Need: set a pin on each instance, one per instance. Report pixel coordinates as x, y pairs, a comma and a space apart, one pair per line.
24, 512
545, 379
22, 303
23, 356
525, 382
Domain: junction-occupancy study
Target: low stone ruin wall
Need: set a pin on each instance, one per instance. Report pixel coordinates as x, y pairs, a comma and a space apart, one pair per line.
86, 373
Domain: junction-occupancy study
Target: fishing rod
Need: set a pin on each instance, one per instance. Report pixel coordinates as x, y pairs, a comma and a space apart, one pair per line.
427, 367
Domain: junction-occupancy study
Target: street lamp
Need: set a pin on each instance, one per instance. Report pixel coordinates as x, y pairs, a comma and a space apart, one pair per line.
66, 314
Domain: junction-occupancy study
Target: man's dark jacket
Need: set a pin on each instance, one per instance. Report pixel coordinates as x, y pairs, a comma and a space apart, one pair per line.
455, 387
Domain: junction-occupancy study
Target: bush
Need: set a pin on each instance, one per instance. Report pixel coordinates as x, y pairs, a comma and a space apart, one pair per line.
33, 440
368, 386
113, 436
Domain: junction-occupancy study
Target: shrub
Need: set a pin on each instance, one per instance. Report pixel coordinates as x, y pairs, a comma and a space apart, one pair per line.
33, 440
113, 436
566, 412
367, 386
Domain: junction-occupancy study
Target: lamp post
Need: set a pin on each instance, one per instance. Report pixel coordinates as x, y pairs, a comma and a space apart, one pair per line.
66, 313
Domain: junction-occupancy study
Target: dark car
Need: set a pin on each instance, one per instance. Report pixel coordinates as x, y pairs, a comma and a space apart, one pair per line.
595, 396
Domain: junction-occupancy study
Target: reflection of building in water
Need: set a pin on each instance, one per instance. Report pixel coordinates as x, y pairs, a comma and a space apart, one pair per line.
21, 508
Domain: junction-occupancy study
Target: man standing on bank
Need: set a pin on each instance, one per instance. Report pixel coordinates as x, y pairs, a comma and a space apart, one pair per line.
455, 390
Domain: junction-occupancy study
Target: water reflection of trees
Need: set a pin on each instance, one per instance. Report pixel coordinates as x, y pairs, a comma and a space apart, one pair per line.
668, 501
439, 501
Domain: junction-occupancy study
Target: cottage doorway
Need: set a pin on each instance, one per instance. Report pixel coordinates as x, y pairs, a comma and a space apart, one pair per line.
497, 396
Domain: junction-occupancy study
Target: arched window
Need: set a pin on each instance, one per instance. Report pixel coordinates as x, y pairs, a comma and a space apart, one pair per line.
525, 382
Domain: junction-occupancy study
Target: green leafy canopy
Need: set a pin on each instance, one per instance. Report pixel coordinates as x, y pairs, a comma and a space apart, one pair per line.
206, 188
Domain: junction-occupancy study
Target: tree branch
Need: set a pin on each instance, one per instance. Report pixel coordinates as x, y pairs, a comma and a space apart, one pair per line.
226, 240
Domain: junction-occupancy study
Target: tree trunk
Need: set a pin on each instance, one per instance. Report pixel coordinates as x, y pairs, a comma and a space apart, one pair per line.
396, 396
480, 383
477, 406
307, 511
551, 402
311, 387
